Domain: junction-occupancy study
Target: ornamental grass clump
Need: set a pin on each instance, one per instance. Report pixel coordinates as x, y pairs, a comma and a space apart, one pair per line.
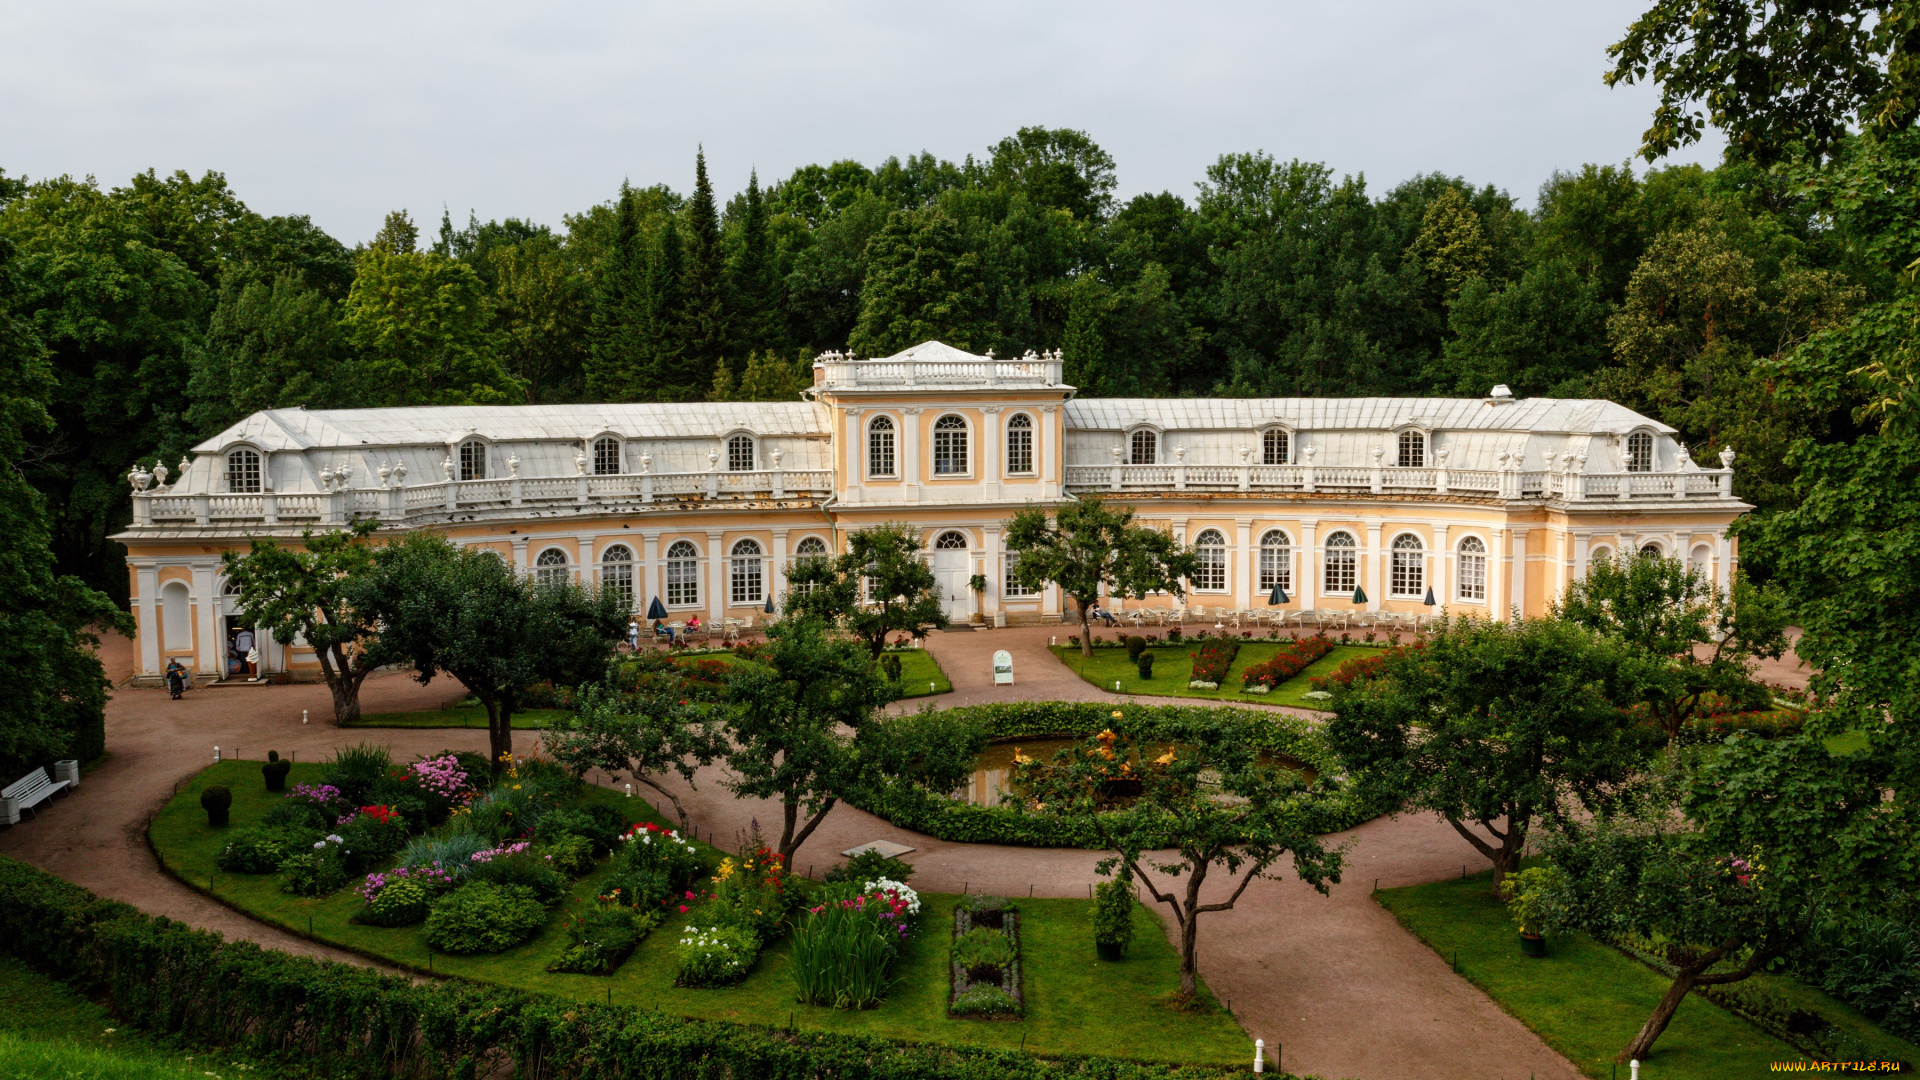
395, 903
844, 948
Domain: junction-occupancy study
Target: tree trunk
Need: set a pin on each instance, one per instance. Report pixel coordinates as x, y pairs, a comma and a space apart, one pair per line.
1086, 633
346, 700
499, 733
790, 841
1642, 1044
1190, 933
671, 797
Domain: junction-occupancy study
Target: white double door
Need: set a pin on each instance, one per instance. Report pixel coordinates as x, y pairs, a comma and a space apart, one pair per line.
950, 568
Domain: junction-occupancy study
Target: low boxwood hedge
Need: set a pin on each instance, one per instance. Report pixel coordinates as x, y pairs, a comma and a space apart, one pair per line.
911, 806
315, 1017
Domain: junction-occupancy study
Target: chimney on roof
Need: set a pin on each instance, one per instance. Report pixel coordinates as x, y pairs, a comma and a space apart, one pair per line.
1500, 395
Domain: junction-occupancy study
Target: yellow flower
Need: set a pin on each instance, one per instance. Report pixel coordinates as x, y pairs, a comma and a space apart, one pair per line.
516, 787
1116, 714
1164, 759
1020, 758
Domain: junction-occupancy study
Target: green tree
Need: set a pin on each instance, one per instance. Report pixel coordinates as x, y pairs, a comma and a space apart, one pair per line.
825, 286
1057, 168
1091, 547
1705, 643
1496, 727
420, 327
757, 304
1544, 334
55, 707
464, 612
788, 731
1209, 798
1595, 220
647, 734
269, 345
618, 346
705, 336
540, 308
922, 284
316, 593
1452, 247
879, 586
769, 377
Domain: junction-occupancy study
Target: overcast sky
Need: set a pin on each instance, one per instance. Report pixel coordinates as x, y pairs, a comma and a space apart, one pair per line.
345, 110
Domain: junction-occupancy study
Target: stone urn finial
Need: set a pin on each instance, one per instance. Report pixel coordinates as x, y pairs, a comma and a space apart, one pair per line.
580, 464
160, 473
1726, 457
446, 466
513, 467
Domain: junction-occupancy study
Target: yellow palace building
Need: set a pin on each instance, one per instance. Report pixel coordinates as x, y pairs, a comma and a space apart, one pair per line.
1482, 506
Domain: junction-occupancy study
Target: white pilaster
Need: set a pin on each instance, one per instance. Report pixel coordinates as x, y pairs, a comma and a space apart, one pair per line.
856, 457
993, 452
996, 569
520, 553
717, 565
1519, 600
206, 606
650, 569
1052, 475
587, 567
1376, 576
910, 453
1441, 568
777, 579
1243, 574
147, 615
1308, 579
1723, 561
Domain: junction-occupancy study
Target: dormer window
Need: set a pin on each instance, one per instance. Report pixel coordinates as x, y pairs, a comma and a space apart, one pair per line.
243, 471
473, 460
1640, 452
1143, 448
1413, 450
740, 453
1274, 446
606, 456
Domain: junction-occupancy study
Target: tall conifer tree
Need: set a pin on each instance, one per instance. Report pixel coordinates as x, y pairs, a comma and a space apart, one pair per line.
757, 299
704, 338
618, 357
670, 377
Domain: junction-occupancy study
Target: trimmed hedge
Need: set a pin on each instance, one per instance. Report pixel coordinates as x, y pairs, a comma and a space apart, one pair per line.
336, 1020
943, 817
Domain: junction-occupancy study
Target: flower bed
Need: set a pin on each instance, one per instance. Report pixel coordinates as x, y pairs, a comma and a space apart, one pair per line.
1211, 662
945, 817
1287, 663
1359, 669
845, 947
985, 960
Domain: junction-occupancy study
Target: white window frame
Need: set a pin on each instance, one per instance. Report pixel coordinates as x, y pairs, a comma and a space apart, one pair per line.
962, 430
741, 447
1276, 562
1407, 576
940, 541
1150, 437
250, 471
682, 573
746, 572
1023, 425
616, 571
801, 554
1284, 438
470, 459
1410, 448
605, 451
1632, 460
1346, 565
1470, 570
883, 442
555, 570
1210, 562
1010, 587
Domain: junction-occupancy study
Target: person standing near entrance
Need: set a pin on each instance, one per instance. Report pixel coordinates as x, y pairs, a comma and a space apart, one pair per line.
176, 677
243, 646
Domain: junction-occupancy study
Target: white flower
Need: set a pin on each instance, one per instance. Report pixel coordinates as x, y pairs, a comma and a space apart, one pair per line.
900, 890
318, 844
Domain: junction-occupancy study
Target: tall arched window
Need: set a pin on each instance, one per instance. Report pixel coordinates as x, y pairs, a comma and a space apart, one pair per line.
1273, 447
473, 460
243, 471
1640, 452
1210, 561
740, 453
810, 549
1019, 444
1143, 448
950, 446
550, 567
1702, 561
606, 457
1598, 554
1409, 567
1276, 561
1341, 564
1413, 450
880, 446
1470, 570
683, 574
746, 580
616, 572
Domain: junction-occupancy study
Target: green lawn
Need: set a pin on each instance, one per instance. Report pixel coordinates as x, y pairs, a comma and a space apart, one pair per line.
1173, 667
920, 673
1587, 1000
49, 1030
1067, 987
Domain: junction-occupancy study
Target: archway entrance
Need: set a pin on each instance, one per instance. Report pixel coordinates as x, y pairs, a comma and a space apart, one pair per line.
951, 561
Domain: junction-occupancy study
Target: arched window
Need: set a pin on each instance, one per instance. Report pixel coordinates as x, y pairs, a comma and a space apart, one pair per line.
1702, 561
1273, 447
606, 457
740, 453
616, 572
1598, 554
1413, 450
951, 541
550, 567
1143, 448
880, 446
1652, 551
1210, 561
1276, 561
1409, 567
950, 446
1640, 452
243, 471
1019, 444
808, 550
746, 580
176, 616
1470, 573
683, 574
1341, 564
473, 460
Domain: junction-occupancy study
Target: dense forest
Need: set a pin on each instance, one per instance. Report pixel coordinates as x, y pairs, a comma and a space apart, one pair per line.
168, 309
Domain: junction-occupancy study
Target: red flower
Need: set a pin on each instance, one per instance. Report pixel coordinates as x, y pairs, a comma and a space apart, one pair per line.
683, 909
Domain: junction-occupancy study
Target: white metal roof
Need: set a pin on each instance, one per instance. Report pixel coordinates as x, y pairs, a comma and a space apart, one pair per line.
302, 429
1531, 415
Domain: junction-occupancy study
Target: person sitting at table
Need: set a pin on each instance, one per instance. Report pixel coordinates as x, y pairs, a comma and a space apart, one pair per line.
693, 624
661, 629
1098, 612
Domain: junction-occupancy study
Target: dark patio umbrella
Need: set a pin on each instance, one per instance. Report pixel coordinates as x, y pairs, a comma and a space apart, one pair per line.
1277, 596
656, 610
1429, 600
769, 609
1359, 595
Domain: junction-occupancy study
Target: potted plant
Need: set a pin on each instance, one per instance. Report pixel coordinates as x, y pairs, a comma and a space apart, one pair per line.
216, 801
275, 771
1530, 897
978, 583
1113, 917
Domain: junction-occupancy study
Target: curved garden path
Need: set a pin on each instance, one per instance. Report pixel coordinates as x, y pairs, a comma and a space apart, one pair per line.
1333, 979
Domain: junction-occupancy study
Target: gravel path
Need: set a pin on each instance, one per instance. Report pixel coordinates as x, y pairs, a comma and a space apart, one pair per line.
1334, 980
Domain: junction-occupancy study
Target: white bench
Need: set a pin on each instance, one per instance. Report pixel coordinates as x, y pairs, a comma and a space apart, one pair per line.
26, 793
